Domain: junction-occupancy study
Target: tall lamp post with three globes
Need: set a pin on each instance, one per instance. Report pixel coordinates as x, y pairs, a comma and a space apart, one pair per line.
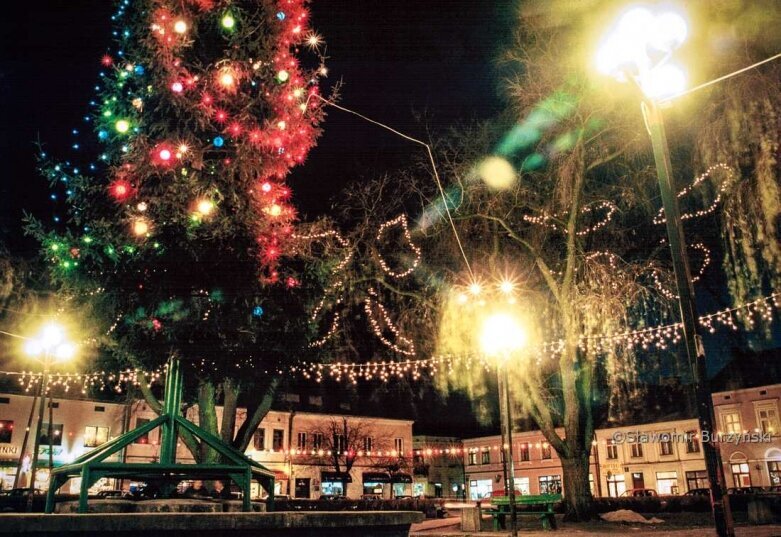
639, 49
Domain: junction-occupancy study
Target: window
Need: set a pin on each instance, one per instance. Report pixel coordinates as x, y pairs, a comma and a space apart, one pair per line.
667, 482
5, 400
740, 475
368, 443
398, 445
340, 443
56, 439
53, 404
145, 438
277, 440
666, 445
550, 484
259, 440
100, 409
317, 440
522, 486
301, 441
616, 485
473, 457
774, 471
485, 457
692, 442
697, 480
95, 436
6, 431
523, 452
637, 450
767, 418
545, 450
731, 421
612, 449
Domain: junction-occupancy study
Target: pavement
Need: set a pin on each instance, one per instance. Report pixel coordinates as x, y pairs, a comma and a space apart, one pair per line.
450, 527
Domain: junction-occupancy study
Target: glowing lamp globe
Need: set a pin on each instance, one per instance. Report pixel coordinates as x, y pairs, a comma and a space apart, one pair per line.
501, 335
639, 46
664, 81
33, 348
64, 351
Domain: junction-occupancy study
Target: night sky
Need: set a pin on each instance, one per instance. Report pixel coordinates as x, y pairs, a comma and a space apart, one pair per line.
418, 66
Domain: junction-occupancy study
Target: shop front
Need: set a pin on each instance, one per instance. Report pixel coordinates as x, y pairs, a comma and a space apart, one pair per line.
374, 484
334, 483
401, 485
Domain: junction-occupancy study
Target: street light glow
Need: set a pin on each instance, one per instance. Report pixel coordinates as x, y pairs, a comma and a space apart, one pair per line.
664, 81
501, 335
51, 342
639, 46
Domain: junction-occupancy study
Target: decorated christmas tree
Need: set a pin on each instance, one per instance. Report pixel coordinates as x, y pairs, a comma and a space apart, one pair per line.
177, 236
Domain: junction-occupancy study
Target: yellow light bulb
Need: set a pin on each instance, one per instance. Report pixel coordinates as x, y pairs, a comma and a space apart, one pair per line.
275, 210
180, 26
140, 228
227, 79
205, 207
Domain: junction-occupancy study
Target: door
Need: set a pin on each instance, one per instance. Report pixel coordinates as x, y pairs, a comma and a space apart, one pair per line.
302, 488
637, 480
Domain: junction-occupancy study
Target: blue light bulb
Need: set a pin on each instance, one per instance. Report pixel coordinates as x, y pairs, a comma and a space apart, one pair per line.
257, 311
218, 141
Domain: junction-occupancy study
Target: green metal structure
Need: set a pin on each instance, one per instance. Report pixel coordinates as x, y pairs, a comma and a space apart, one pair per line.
92, 466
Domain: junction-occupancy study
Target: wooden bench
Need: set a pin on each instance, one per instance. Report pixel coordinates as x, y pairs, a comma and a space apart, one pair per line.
542, 506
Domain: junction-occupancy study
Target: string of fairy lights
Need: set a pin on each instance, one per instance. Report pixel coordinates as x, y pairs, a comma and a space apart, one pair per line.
659, 337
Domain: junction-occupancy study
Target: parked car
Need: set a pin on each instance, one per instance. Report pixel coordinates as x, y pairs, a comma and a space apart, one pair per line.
332, 497
745, 490
697, 492
112, 494
15, 500
639, 493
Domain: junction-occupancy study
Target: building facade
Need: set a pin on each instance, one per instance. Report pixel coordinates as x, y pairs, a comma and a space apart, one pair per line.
664, 456
748, 421
77, 427
438, 467
311, 454
537, 466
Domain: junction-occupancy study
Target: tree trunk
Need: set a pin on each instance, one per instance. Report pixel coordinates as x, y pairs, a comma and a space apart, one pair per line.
577, 492
230, 397
207, 419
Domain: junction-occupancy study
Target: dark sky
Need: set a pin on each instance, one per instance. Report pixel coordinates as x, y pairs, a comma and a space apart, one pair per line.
416, 65
398, 61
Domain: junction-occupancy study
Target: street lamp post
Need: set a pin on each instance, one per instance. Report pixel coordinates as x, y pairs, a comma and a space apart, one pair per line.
51, 345
628, 53
501, 337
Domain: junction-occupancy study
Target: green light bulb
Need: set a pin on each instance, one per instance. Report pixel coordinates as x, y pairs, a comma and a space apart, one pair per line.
228, 22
